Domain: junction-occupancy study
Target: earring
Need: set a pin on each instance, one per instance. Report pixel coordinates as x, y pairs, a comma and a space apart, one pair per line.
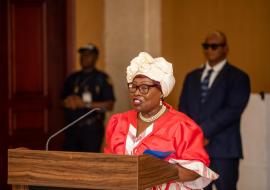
161, 99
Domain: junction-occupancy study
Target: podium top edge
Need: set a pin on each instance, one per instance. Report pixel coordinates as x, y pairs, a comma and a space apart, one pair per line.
24, 150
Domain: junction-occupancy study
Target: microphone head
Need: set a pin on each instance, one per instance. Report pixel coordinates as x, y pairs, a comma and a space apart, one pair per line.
100, 109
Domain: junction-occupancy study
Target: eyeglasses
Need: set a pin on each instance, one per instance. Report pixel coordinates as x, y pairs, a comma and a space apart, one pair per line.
212, 46
144, 88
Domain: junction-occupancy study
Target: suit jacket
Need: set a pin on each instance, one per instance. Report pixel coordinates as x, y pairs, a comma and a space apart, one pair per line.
219, 116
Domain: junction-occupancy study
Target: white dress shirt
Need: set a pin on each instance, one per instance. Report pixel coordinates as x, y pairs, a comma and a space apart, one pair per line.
216, 69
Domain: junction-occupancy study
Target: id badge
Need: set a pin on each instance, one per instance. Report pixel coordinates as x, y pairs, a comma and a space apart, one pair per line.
87, 97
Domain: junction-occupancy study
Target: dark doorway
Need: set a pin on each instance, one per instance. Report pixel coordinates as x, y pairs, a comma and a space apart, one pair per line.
33, 66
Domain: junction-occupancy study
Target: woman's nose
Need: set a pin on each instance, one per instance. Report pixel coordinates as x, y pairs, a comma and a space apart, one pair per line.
137, 92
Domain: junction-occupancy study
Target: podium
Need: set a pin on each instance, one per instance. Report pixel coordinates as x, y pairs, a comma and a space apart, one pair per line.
86, 170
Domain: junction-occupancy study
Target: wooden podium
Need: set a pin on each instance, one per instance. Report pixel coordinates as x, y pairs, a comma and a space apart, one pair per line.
86, 170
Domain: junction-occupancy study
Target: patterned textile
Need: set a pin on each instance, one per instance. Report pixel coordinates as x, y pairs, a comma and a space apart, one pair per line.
204, 85
157, 69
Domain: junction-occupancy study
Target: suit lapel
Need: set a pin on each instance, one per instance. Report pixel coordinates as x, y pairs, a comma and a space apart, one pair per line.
197, 88
220, 77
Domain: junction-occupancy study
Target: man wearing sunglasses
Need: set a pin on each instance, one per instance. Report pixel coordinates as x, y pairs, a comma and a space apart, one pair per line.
215, 96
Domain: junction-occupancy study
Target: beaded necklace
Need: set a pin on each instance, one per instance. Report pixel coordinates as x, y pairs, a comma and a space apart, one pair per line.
154, 117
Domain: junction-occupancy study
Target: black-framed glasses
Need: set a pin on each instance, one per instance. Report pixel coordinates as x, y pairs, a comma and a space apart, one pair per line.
206, 46
143, 88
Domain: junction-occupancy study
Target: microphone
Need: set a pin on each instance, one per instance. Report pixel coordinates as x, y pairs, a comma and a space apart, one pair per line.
71, 124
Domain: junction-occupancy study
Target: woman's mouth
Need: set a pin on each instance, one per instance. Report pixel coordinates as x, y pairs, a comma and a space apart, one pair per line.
137, 101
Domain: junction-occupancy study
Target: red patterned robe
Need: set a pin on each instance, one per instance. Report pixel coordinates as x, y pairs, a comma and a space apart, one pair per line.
174, 132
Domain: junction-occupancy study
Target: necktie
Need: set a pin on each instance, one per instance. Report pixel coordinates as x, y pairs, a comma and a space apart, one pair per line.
204, 85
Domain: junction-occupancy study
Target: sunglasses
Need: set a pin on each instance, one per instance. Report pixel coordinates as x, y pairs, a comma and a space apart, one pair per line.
212, 46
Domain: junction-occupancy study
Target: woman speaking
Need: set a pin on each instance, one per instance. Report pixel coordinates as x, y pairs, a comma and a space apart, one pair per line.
154, 126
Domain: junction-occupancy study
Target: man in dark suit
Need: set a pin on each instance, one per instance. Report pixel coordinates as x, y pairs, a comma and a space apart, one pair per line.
215, 96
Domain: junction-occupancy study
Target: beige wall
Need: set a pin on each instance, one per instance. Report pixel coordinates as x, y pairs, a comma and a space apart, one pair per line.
90, 26
130, 27
184, 24
246, 23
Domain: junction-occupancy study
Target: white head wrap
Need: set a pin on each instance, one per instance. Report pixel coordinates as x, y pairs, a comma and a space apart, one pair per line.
157, 69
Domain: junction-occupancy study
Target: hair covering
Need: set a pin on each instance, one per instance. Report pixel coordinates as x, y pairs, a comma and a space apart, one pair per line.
157, 69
